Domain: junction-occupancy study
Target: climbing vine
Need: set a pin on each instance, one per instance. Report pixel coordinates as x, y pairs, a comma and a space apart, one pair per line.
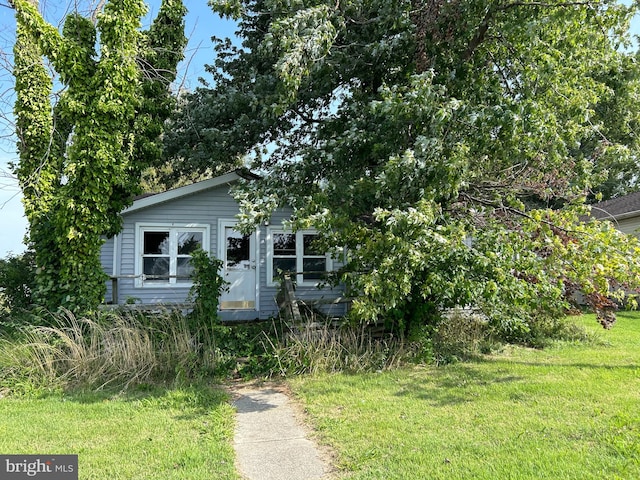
207, 287
80, 160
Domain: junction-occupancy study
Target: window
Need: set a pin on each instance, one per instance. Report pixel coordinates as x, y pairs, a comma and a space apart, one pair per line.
314, 262
165, 254
297, 254
284, 253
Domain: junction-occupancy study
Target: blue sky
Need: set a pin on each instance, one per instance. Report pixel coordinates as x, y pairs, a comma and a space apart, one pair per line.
201, 25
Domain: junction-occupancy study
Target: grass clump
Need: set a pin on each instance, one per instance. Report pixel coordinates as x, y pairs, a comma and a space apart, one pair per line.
115, 349
312, 348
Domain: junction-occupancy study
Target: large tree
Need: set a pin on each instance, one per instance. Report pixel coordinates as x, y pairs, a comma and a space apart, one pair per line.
81, 152
450, 145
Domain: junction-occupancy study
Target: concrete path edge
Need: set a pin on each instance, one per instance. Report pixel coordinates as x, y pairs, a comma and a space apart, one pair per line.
272, 441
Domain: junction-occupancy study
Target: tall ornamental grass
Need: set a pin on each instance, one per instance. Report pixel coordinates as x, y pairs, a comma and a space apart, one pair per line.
113, 348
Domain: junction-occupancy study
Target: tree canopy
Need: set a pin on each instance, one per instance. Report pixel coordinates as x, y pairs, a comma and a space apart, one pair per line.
449, 145
82, 153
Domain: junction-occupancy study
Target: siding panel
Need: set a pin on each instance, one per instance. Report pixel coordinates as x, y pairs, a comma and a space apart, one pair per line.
629, 225
106, 260
203, 208
305, 293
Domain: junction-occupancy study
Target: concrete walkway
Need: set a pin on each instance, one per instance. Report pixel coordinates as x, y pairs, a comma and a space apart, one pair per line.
270, 442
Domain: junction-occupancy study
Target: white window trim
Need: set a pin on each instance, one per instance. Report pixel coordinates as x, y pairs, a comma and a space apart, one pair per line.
271, 280
171, 227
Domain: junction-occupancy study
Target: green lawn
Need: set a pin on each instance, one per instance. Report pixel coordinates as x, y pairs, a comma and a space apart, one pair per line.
566, 412
182, 433
571, 411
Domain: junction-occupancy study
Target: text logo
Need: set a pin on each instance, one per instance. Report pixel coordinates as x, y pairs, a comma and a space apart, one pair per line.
45, 467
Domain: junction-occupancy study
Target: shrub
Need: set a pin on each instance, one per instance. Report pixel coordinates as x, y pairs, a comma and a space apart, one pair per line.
459, 335
17, 281
207, 287
538, 332
245, 350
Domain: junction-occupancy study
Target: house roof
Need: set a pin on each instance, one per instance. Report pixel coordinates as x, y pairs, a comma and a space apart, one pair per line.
617, 208
149, 200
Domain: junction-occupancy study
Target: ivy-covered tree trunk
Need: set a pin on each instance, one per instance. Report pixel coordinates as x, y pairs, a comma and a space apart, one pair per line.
38, 168
80, 165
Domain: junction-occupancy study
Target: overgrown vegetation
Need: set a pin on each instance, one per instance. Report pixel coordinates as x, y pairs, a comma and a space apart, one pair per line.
207, 287
42, 351
124, 348
82, 151
313, 348
114, 349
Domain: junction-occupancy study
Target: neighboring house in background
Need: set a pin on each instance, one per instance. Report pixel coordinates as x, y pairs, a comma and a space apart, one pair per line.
148, 261
623, 212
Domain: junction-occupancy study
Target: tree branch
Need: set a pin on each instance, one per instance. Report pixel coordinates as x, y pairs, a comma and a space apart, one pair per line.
305, 117
97, 10
517, 212
481, 32
544, 4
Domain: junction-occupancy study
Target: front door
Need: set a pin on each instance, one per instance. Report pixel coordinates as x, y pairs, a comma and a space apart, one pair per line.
239, 269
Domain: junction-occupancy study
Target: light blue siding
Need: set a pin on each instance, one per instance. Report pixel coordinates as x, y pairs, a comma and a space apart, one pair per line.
205, 207
308, 294
106, 260
629, 225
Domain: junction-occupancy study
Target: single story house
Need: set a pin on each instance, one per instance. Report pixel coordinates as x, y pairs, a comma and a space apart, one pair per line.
623, 212
148, 262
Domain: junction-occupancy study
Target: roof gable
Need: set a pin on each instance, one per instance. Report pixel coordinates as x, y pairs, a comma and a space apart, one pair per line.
176, 193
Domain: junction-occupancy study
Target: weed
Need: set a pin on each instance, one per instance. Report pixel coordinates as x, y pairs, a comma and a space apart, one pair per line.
322, 347
118, 349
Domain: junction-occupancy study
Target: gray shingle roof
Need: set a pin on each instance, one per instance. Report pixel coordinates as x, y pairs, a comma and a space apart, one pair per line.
617, 207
